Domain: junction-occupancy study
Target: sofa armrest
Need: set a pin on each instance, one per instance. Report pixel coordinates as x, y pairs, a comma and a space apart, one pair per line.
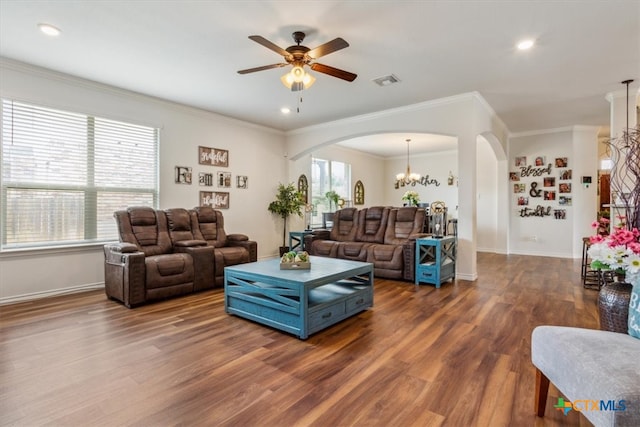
237, 237
249, 245
122, 247
125, 273
189, 243
203, 263
321, 234
409, 255
415, 236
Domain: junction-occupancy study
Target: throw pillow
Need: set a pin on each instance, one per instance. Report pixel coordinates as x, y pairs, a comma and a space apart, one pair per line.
634, 310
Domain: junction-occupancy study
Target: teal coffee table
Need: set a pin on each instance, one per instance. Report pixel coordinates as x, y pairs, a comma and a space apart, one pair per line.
300, 302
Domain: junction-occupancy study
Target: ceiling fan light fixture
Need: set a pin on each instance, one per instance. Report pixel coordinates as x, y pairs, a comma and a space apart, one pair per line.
297, 79
297, 74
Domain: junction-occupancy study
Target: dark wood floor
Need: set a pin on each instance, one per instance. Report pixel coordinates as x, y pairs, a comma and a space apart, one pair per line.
455, 356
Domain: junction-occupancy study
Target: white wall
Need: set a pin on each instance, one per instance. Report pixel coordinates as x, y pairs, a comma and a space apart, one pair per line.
437, 166
464, 116
487, 217
254, 151
269, 157
548, 236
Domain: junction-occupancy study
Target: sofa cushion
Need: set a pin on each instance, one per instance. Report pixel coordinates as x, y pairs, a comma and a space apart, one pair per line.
179, 224
327, 248
372, 223
345, 223
209, 226
146, 228
169, 270
403, 223
354, 251
144, 225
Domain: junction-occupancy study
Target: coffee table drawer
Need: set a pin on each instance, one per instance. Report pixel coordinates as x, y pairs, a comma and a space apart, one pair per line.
359, 302
326, 315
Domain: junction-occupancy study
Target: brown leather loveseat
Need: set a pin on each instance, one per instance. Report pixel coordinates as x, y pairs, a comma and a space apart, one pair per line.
163, 254
380, 235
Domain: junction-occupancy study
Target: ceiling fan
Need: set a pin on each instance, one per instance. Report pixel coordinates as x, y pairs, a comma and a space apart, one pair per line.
299, 56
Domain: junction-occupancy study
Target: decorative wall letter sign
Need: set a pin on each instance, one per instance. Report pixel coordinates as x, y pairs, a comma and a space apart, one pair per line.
213, 156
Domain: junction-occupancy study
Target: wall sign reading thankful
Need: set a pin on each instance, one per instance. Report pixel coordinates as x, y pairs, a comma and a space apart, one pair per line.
537, 211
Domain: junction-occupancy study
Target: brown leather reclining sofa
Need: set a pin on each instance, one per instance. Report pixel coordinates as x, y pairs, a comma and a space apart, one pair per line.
166, 253
380, 235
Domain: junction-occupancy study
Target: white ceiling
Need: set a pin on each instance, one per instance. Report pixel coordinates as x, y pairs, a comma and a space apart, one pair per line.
189, 52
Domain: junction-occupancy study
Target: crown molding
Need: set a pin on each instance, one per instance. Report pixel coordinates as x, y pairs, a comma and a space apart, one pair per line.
46, 73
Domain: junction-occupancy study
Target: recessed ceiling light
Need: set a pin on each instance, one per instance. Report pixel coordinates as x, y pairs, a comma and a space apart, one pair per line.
49, 30
285, 110
526, 44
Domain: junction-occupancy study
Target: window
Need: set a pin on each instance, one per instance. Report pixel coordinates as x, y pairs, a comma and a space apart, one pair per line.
327, 175
606, 164
64, 174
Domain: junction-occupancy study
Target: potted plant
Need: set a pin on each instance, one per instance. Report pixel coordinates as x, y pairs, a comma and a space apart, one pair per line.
333, 197
288, 201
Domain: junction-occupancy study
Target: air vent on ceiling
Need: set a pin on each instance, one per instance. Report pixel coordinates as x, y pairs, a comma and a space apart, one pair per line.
386, 80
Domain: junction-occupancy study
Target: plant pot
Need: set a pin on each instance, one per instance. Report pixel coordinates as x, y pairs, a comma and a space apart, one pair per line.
283, 250
613, 306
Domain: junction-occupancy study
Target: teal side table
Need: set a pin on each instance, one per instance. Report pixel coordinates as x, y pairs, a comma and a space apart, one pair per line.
296, 240
435, 260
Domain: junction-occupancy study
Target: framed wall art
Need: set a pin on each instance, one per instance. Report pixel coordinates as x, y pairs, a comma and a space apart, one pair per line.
183, 175
223, 179
213, 156
303, 188
215, 199
358, 193
242, 181
206, 179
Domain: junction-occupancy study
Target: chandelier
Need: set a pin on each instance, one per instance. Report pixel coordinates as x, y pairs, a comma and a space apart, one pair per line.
408, 178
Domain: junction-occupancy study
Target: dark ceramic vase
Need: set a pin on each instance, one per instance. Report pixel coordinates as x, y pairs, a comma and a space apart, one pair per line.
613, 306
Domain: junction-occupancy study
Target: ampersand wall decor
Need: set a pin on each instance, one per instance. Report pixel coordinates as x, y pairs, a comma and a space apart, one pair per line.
533, 192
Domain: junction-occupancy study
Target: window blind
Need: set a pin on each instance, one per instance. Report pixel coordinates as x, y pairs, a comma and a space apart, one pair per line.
65, 173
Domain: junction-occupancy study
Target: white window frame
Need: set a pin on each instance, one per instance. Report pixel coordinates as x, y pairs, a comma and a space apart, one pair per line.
321, 204
89, 189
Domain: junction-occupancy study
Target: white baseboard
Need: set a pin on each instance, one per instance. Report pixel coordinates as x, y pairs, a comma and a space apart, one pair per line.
50, 293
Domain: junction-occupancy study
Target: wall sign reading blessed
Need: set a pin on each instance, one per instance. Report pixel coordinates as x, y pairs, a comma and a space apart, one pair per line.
213, 156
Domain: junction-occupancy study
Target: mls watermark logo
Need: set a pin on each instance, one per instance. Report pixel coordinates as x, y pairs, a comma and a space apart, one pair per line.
589, 405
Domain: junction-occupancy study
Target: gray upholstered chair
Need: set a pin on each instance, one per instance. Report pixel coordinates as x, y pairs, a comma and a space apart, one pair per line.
589, 365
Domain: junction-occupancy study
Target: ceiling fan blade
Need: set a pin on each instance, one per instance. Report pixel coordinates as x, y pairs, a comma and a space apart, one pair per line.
265, 67
335, 72
266, 43
327, 48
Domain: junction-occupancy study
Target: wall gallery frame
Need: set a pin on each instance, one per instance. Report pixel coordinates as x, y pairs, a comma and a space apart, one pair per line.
206, 179
215, 199
213, 156
183, 175
223, 179
242, 181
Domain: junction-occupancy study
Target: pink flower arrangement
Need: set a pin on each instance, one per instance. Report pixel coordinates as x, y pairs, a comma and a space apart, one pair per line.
618, 251
601, 226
